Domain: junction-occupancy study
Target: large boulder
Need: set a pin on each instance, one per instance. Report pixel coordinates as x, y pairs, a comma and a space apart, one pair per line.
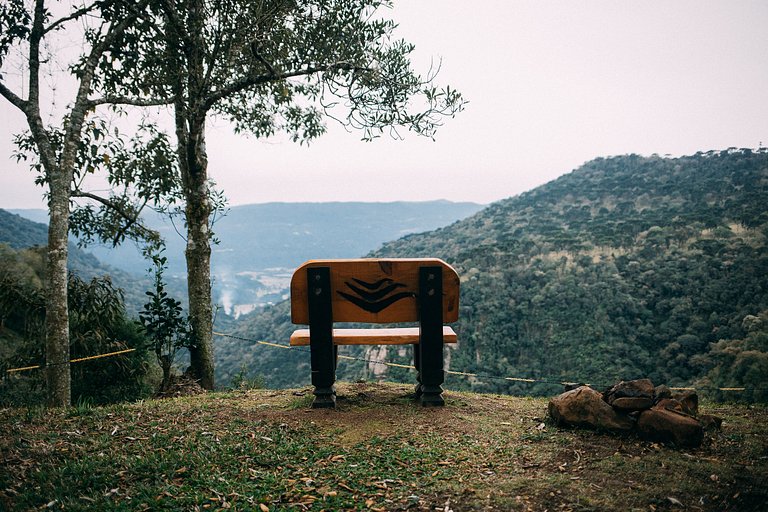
667, 424
585, 407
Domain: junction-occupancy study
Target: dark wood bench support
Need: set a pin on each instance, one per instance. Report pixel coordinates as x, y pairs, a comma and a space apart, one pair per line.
430, 347
323, 352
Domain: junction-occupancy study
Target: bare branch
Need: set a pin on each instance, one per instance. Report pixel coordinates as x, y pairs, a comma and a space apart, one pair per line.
13, 98
80, 12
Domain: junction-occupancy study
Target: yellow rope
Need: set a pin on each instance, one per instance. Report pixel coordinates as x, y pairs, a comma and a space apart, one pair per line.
78, 360
23, 369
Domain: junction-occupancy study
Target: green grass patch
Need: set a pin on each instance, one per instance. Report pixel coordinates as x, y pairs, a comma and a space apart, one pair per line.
378, 450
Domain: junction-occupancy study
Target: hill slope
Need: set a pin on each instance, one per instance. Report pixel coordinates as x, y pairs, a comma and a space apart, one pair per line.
18, 233
266, 450
627, 267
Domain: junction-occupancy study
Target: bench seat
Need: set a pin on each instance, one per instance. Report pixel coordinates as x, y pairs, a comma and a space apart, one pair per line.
381, 336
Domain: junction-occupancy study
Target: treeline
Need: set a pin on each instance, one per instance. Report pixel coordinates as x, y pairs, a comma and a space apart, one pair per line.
627, 267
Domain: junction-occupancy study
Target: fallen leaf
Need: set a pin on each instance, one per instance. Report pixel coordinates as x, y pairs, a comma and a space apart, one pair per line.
674, 501
263, 507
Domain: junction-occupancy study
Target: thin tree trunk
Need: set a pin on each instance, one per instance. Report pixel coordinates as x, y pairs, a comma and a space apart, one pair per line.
58, 377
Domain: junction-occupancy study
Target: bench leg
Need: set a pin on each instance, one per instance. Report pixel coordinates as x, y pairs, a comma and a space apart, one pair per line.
417, 365
323, 354
324, 382
431, 336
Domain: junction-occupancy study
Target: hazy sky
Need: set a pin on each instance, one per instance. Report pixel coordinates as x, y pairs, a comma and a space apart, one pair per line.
551, 84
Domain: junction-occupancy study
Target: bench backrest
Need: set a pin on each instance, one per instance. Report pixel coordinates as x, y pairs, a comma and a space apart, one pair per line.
374, 290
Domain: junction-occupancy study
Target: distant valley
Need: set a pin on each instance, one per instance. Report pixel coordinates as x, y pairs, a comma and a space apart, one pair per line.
260, 244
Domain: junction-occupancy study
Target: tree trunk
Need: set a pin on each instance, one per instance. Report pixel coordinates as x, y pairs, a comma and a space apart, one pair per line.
198, 254
58, 377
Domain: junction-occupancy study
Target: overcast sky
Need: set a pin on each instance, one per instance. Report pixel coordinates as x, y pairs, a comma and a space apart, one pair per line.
551, 85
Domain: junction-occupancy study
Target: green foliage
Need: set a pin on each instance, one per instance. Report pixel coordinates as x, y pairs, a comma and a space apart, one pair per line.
242, 380
732, 362
141, 170
627, 267
164, 323
98, 325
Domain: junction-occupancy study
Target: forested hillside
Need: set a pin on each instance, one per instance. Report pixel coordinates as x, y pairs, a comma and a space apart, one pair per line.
627, 267
19, 233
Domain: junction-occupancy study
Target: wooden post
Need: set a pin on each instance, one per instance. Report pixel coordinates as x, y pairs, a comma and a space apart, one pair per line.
431, 335
323, 353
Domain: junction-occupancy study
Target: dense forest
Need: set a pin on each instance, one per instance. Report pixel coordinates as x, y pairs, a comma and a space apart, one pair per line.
627, 267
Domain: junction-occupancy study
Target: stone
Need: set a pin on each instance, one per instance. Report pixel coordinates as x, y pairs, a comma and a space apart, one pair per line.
661, 392
710, 422
660, 424
628, 404
585, 407
669, 404
641, 388
689, 399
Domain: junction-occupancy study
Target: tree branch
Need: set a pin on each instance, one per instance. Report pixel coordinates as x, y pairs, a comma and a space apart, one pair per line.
250, 81
126, 100
74, 15
255, 52
13, 98
131, 219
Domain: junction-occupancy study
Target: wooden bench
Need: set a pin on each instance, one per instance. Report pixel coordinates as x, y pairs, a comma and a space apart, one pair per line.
379, 291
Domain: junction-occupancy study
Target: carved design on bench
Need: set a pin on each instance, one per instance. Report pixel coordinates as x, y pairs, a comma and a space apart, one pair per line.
375, 297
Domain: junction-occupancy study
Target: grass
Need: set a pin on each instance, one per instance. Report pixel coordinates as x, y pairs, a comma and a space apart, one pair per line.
266, 450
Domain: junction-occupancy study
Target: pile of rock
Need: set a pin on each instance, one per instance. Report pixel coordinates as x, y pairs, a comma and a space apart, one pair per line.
654, 412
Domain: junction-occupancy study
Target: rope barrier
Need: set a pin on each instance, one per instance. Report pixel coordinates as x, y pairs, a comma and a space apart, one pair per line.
372, 361
466, 374
78, 360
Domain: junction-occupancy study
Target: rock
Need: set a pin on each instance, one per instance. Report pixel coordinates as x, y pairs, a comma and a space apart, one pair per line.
661, 392
660, 424
669, 404
689, 399
632, 404
710, 422
641, 388
585, 407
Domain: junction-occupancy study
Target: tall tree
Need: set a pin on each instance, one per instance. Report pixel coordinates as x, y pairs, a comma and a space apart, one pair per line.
30, 32
269, 66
